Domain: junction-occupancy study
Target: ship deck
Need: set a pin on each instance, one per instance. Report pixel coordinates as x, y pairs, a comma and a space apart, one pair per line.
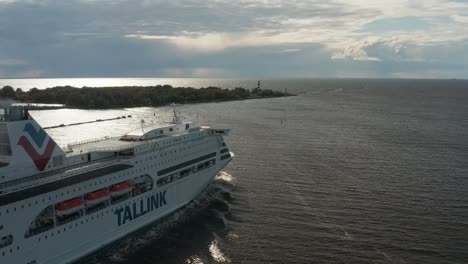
107, 145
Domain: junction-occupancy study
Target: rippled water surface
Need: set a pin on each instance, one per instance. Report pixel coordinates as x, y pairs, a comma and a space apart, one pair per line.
348, 171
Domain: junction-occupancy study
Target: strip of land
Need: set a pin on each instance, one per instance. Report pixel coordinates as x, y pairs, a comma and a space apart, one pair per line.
132, 96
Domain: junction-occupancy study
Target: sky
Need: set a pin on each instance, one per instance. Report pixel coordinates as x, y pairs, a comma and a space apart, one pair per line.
234, 39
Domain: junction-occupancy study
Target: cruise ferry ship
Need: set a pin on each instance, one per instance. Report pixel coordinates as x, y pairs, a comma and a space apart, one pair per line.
60, 204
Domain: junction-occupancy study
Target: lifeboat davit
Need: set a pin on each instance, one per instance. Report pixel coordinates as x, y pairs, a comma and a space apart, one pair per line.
69, 207
97, 197
121, 188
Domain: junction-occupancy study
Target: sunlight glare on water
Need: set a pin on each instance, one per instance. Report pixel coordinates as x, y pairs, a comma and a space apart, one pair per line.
232, 236
114, 128
194, 260
224, 176
216, 253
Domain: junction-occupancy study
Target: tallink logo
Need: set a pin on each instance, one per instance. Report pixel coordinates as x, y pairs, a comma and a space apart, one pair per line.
39, 138
140, 208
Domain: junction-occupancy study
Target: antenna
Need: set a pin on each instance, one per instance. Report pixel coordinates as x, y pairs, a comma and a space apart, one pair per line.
142, 125
175, 119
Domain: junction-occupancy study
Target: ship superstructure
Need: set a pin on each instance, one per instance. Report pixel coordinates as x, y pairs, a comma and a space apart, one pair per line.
57, 205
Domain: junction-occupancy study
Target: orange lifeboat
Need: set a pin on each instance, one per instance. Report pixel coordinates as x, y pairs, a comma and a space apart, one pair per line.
69, 207
97, 197
121, 188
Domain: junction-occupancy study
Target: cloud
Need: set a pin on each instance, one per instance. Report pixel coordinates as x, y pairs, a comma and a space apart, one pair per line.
397, 24
216, 42
196, 72
461, 19
290, 51
11, 62
209, 42
395, 49
30, 74
84, 38
357, 51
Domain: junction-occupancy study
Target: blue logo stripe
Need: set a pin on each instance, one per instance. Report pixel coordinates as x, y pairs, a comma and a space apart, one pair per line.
38, 136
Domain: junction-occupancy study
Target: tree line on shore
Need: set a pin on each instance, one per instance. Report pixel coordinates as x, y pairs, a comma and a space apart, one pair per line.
131, 96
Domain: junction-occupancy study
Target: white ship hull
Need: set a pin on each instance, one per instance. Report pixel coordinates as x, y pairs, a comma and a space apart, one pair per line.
163, 172
96, 230
109, 233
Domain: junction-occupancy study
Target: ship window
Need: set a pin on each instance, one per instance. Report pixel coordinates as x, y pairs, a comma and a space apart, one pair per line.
224, 150
6, 241
184, 173
142, 184
165, 180
55, 185
43, 222
96, 207
185, 164
225, 156
119, 198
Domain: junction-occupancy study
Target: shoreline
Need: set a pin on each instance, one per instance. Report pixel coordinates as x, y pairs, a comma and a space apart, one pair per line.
47, 107
132, 96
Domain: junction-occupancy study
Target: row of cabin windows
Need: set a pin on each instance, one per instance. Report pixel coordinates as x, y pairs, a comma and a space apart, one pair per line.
183, 156
163, 162
175, 159
8, 240
5, 242
168, 161
87, 220
227, 156
7, 211
175, 151
179, 157
63, 183
186, 172
166, 142
224, 151
49, 217
79, 189
185, 164
60, 230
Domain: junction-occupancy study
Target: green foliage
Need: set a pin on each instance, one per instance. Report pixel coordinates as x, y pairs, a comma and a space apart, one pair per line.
132, 96
8, 92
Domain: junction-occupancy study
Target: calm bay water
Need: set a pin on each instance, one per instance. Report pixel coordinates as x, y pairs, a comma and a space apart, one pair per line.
348, 171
